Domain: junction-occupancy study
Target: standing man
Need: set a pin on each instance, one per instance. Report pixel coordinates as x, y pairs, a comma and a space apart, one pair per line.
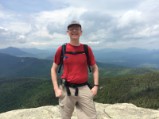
74, 90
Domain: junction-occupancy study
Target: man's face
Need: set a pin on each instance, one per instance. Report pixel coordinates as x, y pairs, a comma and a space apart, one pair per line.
74, 32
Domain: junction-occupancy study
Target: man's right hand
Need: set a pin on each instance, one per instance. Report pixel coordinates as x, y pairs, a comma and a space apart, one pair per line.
58, 92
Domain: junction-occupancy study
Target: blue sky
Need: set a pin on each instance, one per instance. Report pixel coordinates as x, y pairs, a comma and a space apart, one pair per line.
106, 24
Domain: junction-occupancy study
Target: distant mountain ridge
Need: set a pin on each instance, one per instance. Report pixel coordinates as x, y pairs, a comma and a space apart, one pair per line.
28, 52
131, 57
12, 66
14, 51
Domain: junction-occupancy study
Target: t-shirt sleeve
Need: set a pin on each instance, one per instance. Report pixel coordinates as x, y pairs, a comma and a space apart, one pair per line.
91, 56
57, 55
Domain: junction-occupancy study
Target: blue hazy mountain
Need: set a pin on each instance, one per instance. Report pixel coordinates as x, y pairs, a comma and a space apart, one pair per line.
132, 57
28, 52
12, 66
40, 53
16, 52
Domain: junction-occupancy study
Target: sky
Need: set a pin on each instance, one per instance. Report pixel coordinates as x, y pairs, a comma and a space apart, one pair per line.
105, 23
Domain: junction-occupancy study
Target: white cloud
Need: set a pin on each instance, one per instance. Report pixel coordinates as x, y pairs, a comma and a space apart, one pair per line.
129, 18
105, 5
58, 17
150, 9
5, 15
3, 29
9, 38
115, 24
19, 27
39, 43
150, 31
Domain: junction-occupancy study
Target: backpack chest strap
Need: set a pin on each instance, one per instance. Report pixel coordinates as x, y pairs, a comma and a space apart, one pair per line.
75, 53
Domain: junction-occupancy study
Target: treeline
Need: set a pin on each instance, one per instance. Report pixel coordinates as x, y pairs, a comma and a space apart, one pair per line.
141, 89
22, 93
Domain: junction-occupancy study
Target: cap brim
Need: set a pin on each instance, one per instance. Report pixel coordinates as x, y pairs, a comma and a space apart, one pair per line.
73, 25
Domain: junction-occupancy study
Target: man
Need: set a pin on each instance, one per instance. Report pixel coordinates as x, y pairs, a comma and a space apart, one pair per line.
74, 90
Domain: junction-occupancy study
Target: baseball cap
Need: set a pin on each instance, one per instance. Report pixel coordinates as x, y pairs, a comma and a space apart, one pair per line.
74, 22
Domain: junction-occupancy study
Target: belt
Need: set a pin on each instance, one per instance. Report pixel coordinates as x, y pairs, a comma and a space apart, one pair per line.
75, 86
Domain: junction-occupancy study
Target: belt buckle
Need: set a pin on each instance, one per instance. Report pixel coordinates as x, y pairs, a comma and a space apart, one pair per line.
63, 81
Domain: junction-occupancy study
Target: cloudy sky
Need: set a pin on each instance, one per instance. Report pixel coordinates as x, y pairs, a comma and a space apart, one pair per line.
106, 23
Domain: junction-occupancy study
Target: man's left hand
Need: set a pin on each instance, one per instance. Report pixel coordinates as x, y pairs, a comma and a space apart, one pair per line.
94, 90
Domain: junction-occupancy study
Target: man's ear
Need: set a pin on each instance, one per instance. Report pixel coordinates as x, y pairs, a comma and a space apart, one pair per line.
81, 33
67, 32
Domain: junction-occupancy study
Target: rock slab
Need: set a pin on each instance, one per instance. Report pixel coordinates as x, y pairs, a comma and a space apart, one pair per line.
104, 111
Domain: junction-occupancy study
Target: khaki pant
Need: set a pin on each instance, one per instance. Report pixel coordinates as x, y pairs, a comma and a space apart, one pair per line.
83, 102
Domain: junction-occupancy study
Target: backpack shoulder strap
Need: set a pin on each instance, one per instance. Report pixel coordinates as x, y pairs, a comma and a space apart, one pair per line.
63, 50
87, 55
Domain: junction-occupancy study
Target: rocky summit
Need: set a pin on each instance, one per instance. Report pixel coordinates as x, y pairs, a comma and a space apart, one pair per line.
104, 111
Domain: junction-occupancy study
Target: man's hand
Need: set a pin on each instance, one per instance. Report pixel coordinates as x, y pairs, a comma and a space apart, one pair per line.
94, 90
58, 92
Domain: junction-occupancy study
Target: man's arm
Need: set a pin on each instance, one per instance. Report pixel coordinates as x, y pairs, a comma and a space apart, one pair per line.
95, 78
58, 92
